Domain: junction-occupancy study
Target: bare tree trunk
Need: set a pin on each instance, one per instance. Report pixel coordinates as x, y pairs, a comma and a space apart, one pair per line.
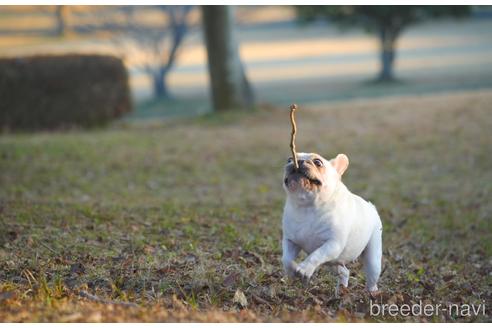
179, 29
229, 84
387, 38
160, 84
61, 13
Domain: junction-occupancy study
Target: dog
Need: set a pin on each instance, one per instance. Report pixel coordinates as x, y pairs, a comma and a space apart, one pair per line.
328, 222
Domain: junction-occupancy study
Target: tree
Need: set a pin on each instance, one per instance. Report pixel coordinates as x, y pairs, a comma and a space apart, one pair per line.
61, 13
387, 22
153, 48
148, 38
229, 84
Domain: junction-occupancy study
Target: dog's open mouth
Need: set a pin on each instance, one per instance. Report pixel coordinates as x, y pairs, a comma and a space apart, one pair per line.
302, 175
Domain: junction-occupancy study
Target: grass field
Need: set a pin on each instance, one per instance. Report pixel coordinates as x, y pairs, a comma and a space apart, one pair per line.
168, 221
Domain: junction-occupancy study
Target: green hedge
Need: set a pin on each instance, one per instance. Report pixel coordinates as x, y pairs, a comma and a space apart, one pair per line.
52, 92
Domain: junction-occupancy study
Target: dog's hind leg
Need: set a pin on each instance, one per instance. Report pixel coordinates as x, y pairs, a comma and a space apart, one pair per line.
343, 278
371, 259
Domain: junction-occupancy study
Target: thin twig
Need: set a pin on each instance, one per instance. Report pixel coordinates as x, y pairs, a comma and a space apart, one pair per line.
47, 247
262, 301
29, 276
293, 108
95, 298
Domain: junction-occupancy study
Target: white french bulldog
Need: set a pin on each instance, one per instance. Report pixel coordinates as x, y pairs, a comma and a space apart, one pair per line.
324, 219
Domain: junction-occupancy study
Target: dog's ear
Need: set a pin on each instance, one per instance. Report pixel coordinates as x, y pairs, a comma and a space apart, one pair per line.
340, 163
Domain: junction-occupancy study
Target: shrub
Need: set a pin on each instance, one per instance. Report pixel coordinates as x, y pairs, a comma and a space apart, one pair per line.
50, 92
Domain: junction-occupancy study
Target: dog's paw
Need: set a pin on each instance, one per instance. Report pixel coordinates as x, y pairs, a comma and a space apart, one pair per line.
375, 294
304, 272
290, 269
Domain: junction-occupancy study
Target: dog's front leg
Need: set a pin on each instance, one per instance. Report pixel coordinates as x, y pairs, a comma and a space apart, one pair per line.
327, 252
289, 254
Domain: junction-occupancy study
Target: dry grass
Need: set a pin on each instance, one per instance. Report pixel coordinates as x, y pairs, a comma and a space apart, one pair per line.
176, 217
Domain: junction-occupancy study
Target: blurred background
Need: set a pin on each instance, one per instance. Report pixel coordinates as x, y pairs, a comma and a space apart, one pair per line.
283, 54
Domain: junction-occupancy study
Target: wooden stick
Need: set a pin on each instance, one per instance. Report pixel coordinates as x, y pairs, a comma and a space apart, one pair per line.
94, 298
293, 108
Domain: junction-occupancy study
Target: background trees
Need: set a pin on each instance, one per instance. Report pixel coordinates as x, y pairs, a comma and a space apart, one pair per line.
61, 17
229, 84
387, 22
153, 48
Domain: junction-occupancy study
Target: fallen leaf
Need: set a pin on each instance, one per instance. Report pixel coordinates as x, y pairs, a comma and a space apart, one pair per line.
191, 259
240, 298
12, 235
148, 249
6, 296
77, 268
231, 279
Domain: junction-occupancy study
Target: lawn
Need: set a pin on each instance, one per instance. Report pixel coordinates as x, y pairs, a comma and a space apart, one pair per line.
168, 221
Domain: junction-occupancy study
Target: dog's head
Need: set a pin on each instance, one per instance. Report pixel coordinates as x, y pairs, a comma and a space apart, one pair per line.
315, 176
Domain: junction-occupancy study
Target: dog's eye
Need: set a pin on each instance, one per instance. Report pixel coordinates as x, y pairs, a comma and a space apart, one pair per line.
318, 162
289, 160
